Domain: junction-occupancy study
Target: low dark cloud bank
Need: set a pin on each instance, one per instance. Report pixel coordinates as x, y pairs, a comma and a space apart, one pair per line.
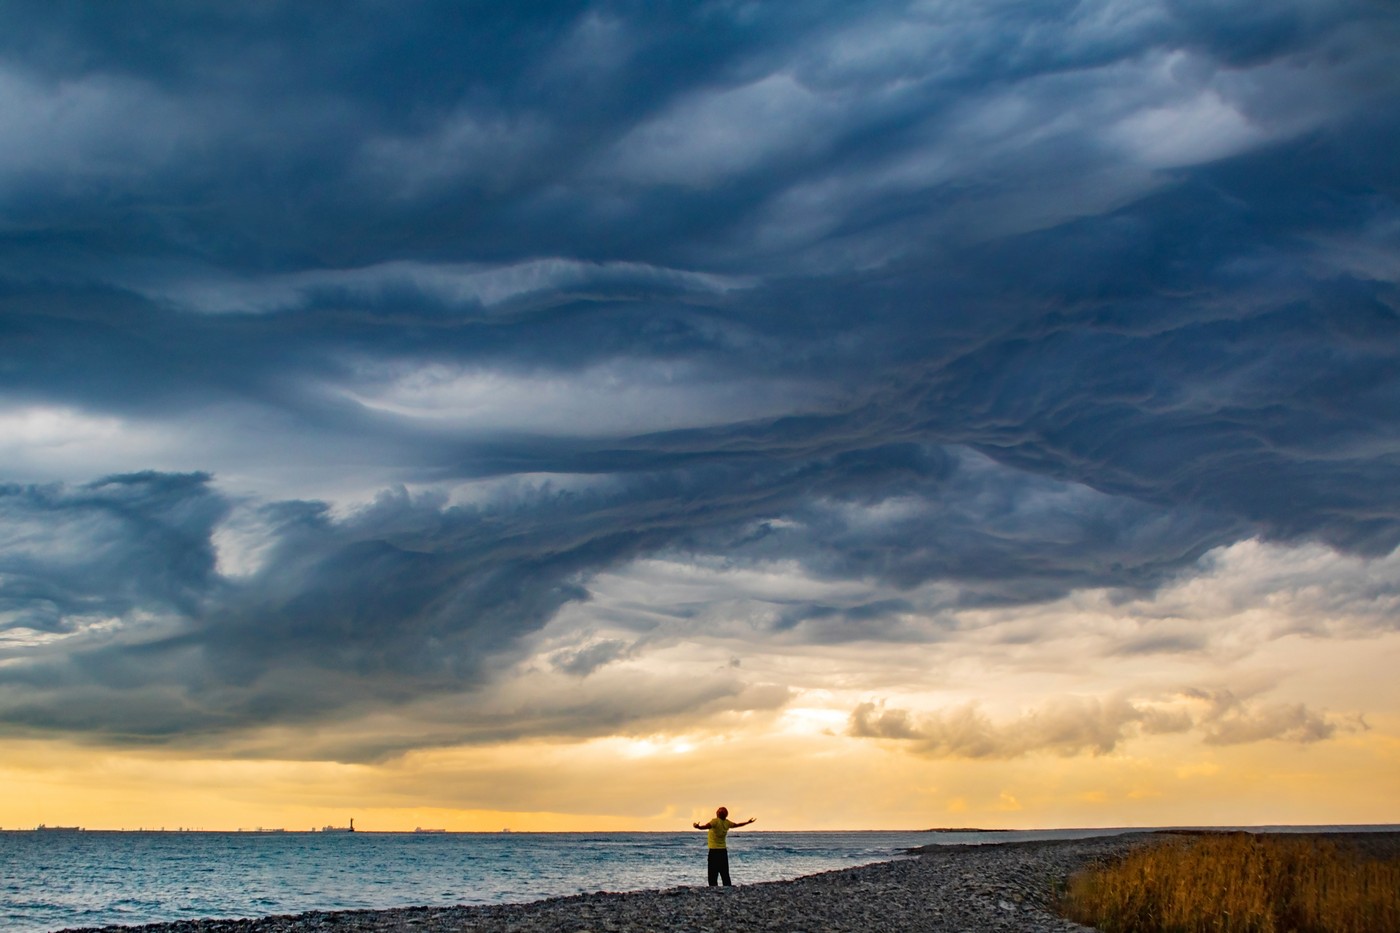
1036, 297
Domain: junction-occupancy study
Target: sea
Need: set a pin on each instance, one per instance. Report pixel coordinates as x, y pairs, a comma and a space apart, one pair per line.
54, 880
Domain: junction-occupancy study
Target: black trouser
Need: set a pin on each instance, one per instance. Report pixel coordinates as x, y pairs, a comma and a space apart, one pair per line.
719, 866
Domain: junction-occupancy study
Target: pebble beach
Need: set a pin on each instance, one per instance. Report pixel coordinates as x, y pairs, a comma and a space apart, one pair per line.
939, 888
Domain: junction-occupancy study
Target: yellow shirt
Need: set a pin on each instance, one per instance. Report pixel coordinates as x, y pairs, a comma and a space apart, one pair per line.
719, 828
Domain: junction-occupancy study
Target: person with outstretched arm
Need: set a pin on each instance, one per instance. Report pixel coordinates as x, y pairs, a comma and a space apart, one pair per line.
719, 828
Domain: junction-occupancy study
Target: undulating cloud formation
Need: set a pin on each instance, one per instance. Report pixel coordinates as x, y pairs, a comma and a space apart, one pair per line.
934, 384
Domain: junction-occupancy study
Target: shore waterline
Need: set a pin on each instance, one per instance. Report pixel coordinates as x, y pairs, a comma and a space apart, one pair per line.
54, 881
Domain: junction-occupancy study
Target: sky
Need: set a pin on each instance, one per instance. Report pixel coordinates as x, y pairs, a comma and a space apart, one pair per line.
577, 416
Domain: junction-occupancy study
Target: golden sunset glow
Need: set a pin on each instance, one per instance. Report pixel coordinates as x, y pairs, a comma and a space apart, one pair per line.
982, 732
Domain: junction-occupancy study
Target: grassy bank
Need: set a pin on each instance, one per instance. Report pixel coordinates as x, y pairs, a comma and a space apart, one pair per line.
1240, 883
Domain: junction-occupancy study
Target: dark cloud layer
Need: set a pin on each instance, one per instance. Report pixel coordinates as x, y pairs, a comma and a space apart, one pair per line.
1023, 299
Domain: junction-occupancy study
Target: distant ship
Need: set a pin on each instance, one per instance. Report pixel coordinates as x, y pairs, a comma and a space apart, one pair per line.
419, 829
41, 828
339, 829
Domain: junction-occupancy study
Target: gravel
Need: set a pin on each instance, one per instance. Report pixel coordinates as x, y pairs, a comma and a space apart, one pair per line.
942, 888
999, 887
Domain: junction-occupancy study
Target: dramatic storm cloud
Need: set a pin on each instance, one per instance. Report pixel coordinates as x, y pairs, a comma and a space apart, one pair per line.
453, 365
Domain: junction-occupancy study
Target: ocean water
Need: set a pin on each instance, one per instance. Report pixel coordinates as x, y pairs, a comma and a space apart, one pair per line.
55, 880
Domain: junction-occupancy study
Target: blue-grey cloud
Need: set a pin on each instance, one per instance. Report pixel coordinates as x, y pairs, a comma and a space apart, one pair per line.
1023, 299
126, 544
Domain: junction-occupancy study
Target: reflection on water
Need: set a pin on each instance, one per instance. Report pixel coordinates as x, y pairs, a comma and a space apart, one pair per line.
50, 881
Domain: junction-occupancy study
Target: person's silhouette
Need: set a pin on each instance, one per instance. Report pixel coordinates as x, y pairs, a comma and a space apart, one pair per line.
719, 828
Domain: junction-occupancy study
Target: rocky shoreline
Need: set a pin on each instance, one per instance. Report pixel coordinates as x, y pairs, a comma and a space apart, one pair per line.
941, 889
994, 887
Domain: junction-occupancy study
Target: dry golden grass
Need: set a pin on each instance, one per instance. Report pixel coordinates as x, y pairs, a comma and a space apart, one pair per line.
1239, 883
